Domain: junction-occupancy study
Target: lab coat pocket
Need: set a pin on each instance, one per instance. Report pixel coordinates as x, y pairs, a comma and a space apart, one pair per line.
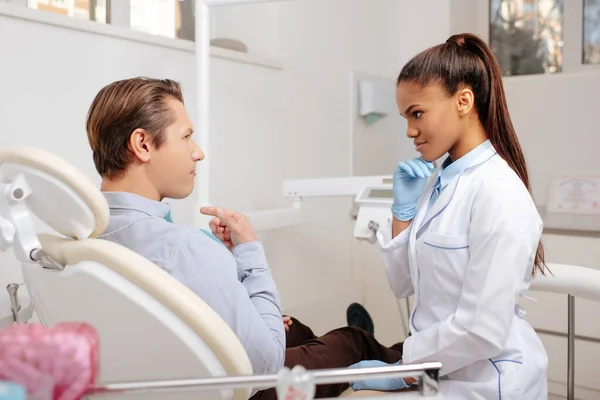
448, 256
447, 242
510, 379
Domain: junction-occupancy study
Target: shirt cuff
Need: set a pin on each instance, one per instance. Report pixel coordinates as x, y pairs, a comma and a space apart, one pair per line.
250, 255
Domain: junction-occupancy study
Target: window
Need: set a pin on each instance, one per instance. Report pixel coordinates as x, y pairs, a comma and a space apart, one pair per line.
169, 18
591, 32
527, 35
93, 10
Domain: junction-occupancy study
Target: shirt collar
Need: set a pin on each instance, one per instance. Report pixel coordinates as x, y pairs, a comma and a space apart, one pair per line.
134, 202
450, 170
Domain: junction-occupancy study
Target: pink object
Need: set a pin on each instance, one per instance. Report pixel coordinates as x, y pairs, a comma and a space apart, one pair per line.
55, 363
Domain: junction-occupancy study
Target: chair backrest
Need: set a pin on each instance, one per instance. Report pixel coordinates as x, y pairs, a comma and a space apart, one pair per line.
151, 327
577, 281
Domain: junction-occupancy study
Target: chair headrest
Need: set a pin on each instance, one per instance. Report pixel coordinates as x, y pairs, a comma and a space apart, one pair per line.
61, 195
583, 282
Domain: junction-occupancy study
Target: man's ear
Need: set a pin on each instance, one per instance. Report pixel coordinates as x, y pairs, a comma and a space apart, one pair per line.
140, 144
465, 101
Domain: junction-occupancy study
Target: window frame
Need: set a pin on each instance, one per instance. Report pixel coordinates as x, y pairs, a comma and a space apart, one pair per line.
582, 39
572, 38
118, 26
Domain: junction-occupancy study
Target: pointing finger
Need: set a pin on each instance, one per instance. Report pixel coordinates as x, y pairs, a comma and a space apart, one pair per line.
214, 211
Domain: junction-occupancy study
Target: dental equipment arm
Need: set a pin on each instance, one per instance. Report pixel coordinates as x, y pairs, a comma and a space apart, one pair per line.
17, 228
22, 170
17, 231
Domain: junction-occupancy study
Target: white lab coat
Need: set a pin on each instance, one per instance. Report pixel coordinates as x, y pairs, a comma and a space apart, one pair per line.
467, 260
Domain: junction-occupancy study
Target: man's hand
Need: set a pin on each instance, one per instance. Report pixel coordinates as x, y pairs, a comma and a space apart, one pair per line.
287, 322
230, 227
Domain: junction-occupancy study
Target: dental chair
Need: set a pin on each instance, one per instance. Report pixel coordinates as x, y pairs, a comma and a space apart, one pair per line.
151, 327
15, 305
573, 281
154, 333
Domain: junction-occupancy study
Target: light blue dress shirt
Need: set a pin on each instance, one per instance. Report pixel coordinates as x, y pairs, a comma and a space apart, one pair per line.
237, 284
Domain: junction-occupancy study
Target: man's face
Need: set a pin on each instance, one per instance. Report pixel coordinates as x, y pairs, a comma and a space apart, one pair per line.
172, 167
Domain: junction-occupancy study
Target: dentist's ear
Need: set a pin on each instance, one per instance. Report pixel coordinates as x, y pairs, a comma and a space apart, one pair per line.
465, 101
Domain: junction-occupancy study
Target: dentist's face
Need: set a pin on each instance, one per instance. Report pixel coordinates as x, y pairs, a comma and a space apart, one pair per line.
172, 167
433, 122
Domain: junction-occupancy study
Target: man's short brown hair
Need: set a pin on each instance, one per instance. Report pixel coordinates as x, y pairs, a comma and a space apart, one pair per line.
119, 109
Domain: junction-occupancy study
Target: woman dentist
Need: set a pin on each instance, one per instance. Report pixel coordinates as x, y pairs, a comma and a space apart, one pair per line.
465, 240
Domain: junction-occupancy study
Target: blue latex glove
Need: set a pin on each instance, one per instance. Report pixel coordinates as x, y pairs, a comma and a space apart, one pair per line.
12, 391
409, 181
387, 384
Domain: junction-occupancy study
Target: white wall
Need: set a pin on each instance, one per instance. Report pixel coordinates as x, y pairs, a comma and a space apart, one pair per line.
556, 119
267, 124
255, 25
377, 148
344, 35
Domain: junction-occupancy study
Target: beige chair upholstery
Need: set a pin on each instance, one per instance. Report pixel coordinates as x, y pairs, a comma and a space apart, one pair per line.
44, 161
206, 323
572, 280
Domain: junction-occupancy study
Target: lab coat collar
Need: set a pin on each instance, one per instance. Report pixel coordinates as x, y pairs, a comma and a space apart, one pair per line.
133, 202
477, 156
451, 170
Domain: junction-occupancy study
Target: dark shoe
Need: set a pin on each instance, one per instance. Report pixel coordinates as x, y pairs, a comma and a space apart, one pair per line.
358, 316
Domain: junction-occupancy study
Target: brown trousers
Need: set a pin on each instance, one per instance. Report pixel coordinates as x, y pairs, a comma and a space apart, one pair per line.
339, 348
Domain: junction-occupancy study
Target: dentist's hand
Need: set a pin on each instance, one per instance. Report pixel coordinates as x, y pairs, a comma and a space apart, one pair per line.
287, 322
409, 181
384, 384
230, 227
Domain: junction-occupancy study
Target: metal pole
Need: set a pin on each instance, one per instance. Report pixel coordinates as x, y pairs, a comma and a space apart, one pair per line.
12, 289
202, 15
318, 377
571, 348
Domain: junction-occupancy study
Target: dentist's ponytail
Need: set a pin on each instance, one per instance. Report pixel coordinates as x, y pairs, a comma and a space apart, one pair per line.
465, 59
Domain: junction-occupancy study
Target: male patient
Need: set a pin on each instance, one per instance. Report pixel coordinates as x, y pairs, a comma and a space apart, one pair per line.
141, 138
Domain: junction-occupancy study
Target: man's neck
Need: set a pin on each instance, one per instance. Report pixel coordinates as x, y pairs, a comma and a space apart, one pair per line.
138, 186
